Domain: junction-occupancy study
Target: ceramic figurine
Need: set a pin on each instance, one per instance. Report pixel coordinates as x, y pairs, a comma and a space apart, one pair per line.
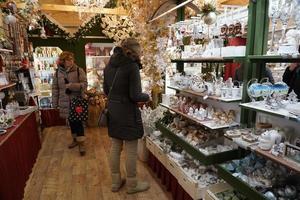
238, 29
292, 98
269, 138
224, 31
256, 89
191, 111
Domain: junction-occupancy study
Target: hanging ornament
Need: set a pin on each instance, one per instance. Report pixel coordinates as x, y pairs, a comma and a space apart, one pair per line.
12, 6
10, 19
43, 33
210, 18
31, 27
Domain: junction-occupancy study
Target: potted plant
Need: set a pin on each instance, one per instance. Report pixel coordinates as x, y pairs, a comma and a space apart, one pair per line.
208, 13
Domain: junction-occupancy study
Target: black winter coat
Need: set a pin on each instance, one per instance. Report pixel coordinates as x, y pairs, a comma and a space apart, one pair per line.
124, 116
292, 79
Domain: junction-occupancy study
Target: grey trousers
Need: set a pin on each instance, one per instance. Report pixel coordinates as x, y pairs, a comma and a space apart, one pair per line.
131, 156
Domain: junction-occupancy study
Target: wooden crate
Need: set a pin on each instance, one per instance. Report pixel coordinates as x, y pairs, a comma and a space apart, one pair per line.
173, 167
210, 193
150, 145
194, 189
189, 185
160, 154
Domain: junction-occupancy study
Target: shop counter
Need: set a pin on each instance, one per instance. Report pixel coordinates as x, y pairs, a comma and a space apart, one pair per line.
19, 148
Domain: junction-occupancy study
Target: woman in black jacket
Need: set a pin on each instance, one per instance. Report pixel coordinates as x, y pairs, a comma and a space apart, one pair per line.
122, 83
291, 77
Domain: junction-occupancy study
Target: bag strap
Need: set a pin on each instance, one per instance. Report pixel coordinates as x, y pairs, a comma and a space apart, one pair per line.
78, 74
113, 83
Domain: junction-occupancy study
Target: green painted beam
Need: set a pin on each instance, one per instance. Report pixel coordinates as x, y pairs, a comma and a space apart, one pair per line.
258, 25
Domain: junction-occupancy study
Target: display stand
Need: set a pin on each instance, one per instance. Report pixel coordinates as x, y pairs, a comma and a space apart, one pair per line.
254, 67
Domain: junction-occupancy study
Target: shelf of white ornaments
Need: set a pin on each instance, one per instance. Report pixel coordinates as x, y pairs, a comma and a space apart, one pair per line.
209, 60
205, 159
239, 185
245, 188
189, 184
274, 58
205, 96
280, 159
210, 124
260, 106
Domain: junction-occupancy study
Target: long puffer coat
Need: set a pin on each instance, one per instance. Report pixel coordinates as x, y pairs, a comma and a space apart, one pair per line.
124, 116
78, 84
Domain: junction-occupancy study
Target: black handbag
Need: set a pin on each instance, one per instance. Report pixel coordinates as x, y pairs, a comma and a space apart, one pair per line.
78, 107
103, 118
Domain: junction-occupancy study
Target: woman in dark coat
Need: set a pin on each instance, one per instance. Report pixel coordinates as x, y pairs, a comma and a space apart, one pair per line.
291, 77
124, 117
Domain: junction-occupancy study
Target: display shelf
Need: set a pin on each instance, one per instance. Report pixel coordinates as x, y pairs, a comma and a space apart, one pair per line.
203, 60
204, 159
227, 100
97, 56
282, 161
273, 59
7, 86
239, 185
6, 50
260, 106
210, 124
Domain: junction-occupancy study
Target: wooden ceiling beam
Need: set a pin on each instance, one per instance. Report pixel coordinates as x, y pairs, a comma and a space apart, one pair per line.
71, 8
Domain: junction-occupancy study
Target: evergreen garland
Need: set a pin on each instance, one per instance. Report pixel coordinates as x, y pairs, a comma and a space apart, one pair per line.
85, 29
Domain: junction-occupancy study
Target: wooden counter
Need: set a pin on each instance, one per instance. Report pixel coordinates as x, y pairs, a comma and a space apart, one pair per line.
19, 148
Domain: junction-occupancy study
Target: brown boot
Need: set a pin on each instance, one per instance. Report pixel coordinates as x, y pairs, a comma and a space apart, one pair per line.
73, 144
81, 147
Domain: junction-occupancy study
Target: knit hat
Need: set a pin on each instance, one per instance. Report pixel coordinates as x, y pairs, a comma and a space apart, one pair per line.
131, 44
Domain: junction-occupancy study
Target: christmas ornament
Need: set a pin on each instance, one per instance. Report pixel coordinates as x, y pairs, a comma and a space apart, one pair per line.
12, 6
210, 18
10, 19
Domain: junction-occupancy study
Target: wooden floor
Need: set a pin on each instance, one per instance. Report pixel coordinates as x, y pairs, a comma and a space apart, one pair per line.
60, 173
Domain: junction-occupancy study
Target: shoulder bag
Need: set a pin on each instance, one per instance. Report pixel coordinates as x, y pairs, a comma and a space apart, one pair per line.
103, 118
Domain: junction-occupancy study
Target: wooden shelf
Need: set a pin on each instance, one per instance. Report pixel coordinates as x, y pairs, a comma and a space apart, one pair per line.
7, 86
204, 60
227, 100
6, 50
210, 124
282, 161
260, 106
273, 59
204, 159
239, 184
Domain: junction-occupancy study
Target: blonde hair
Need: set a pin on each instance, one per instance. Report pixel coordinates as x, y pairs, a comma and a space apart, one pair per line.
66, 55
131, 47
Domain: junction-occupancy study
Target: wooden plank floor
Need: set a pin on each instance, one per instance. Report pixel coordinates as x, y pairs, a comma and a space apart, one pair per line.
60, 173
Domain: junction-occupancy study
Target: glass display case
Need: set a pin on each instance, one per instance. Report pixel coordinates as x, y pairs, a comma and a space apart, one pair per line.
45, 65
97, 57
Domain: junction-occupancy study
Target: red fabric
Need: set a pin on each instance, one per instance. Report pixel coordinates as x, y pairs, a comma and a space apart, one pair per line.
19, 148
237, 41
50, 117
231, 67
167, 179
